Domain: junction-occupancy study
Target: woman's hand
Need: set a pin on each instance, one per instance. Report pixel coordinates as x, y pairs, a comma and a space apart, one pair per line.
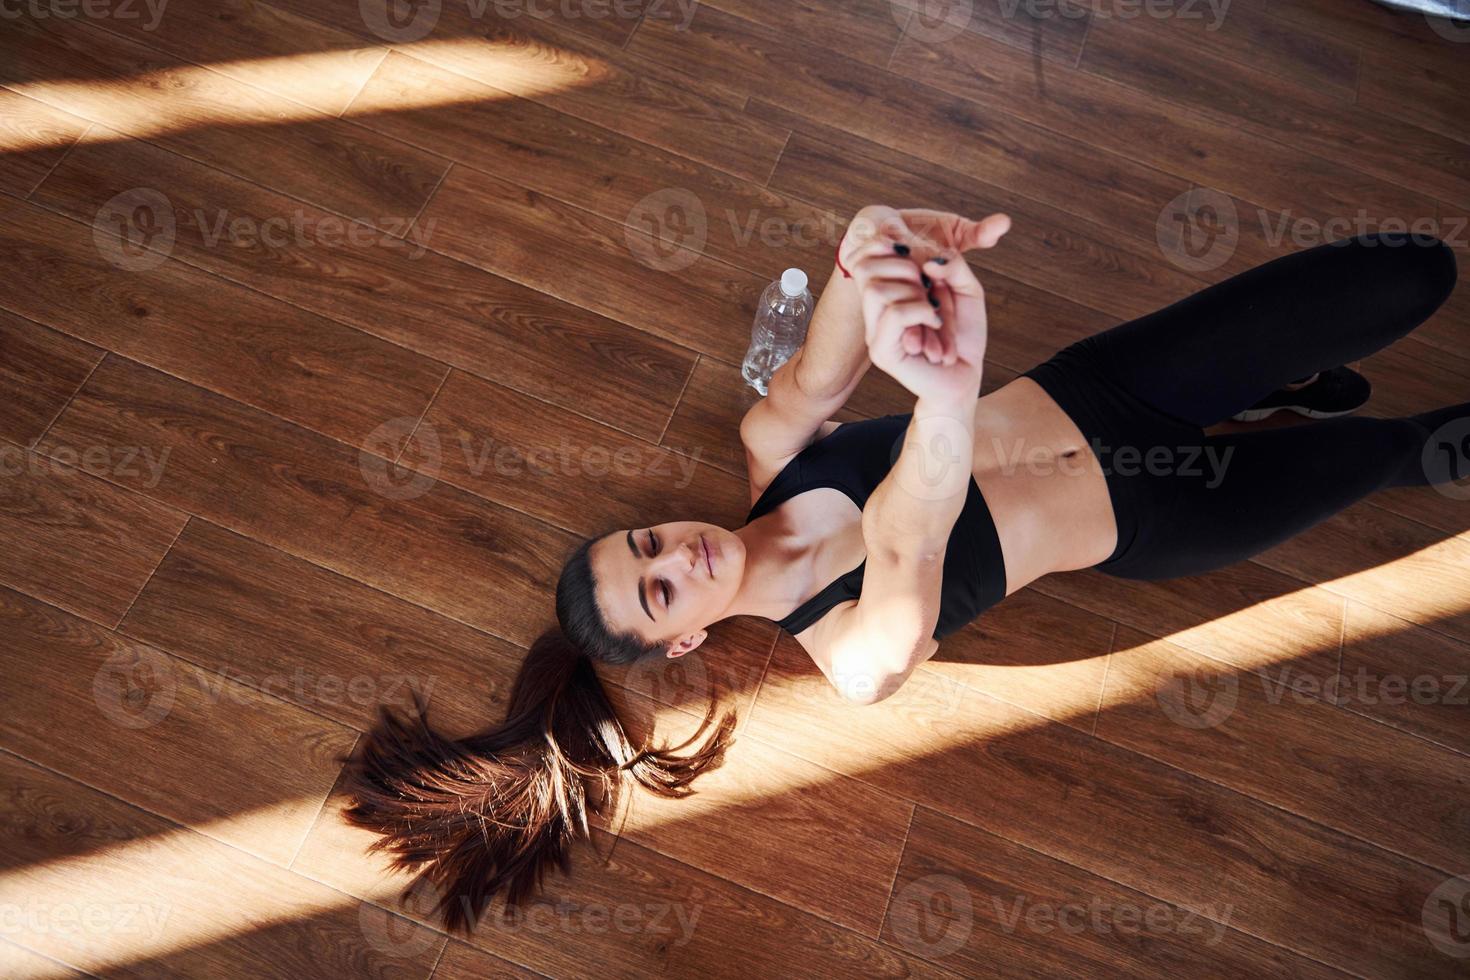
924, 315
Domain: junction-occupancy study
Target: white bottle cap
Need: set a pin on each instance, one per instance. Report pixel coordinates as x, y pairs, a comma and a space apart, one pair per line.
793, 282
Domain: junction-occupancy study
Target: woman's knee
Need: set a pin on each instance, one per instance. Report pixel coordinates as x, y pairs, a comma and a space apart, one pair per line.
1422, 265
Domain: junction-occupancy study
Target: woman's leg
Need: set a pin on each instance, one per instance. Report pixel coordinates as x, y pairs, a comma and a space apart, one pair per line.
1222, 349
1255, 490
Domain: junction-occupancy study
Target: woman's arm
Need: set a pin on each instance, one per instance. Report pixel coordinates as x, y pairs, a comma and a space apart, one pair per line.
834, 357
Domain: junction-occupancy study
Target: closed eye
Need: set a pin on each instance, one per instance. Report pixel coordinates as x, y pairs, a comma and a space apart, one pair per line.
653, 548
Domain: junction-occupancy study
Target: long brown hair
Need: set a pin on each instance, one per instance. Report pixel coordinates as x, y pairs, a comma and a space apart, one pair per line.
494, 811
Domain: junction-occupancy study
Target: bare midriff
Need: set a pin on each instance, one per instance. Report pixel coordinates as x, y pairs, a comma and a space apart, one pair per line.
1042, 483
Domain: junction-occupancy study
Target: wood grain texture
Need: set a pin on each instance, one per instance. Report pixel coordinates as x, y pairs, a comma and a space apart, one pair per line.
214, 119
1017, 912
395, 288
327, 445
215, 748
100, 543
349, 511
40, 370
228, 338
156, 889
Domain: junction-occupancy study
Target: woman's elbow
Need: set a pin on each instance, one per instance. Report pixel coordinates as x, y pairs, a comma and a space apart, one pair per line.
871, 686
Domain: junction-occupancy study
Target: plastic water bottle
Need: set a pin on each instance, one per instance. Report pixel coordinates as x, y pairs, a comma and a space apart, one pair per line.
781, 319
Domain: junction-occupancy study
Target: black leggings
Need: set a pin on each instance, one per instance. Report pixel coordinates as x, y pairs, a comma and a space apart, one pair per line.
1143, 392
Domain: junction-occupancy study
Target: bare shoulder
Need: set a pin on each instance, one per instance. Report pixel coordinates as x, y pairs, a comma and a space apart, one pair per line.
763, 461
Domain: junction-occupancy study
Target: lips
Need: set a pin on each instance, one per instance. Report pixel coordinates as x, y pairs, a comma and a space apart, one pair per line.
707, 563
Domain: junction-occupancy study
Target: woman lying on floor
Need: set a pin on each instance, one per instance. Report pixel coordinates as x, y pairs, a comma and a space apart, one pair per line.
871, 541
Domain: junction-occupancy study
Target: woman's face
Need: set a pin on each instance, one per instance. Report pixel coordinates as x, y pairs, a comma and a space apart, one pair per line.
666, 583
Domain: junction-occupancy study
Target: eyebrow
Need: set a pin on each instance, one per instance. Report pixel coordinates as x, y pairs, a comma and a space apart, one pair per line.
642, 597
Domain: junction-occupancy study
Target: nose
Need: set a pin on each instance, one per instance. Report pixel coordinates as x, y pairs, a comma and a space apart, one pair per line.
680, 559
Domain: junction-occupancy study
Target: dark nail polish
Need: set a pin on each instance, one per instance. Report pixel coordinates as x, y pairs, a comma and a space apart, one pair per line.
934, 302
899, 248
924, 278
940, 260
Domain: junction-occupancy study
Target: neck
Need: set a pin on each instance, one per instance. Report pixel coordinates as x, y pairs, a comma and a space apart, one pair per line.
775, 569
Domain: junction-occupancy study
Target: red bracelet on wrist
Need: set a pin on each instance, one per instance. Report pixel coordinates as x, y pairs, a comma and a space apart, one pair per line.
838, 257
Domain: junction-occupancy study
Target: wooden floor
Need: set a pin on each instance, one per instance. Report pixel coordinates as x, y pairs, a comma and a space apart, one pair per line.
319, 330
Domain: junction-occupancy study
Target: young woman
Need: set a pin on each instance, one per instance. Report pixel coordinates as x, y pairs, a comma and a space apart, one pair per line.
871, 541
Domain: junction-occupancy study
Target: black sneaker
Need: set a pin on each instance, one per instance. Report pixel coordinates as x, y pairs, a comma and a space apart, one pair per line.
1336, 391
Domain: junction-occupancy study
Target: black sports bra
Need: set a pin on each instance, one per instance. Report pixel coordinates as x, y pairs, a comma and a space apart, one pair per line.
854, 458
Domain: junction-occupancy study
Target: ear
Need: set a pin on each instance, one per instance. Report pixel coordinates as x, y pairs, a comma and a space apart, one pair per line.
690, 642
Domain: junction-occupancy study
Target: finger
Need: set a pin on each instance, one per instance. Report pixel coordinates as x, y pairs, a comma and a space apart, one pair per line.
911, 314
913, 340
887, 266
879, 238
933, 346
954, 273
897, 290
987, 231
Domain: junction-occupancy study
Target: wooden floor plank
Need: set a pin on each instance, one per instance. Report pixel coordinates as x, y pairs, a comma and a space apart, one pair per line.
395, 288
1261, 736
1017, 913
40, 370
1385, 145
257, 475
100, 543
519, 452
103, 78
215, 748
1046, 248
613, 269
696, 116
1430, 97
599, 169
1405, 675
226, 337
678, 919
965, 135
157, 889
1113, 108
264, 619
1116, 814
262, 46
33, 139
